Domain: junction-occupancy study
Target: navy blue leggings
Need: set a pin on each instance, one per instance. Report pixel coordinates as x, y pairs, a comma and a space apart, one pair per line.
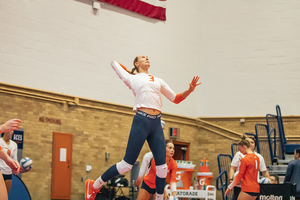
144, 127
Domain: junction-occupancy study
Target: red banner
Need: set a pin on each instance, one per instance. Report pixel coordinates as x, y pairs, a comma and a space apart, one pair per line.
150, 8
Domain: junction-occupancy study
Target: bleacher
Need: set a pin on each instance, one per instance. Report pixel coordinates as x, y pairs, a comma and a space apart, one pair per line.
271, 144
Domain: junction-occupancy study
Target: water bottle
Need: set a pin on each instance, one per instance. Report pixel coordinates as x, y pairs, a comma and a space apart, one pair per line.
196, 185
201, 165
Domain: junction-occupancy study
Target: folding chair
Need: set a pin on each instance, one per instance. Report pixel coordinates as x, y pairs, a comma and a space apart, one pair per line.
273, 128
265, 143
287, 148
222, 183
234, 149
224, 162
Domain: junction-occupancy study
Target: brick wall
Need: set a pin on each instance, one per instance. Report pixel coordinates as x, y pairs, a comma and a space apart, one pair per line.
96, 131
291, 123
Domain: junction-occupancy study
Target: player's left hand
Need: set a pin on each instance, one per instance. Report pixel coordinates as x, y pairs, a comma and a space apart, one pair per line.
25, 170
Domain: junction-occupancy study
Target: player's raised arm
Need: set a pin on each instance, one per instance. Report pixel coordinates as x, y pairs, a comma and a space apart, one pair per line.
10, 162
192, 87
10, 125
177, 98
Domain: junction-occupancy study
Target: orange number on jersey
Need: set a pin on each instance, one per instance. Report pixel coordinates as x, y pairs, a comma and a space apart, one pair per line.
151, 78
8, 152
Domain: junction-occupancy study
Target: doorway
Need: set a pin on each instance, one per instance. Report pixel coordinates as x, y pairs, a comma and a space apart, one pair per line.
61, 166
182, 150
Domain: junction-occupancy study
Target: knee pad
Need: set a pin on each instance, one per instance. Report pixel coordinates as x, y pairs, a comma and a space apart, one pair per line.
161, 171
123, 167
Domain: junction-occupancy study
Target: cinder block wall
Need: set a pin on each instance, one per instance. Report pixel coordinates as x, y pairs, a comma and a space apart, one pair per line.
291, 124
96, 131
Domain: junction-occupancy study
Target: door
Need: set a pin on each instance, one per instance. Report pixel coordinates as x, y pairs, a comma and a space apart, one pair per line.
182, 150
61, 166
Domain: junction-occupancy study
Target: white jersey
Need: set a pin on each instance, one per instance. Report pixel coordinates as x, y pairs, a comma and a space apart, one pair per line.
145, 164
236, 162
146, 88
11, 150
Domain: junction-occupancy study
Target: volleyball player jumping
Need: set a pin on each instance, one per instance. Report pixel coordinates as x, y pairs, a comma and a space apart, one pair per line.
146, 124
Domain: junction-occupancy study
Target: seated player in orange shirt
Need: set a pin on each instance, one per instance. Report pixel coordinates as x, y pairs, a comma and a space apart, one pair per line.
148, 186
248, 172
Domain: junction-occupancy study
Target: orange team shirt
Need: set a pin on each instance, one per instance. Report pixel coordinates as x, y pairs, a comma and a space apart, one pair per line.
248, 172
149, 178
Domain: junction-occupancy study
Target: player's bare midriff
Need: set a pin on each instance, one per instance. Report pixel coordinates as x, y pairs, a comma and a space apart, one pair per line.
150, 111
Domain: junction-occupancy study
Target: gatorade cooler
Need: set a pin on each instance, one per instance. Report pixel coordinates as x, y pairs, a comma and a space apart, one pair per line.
185, 170
204, 179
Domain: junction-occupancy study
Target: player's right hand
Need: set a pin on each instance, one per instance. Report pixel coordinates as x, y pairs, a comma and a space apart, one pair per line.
227, 192
14, 165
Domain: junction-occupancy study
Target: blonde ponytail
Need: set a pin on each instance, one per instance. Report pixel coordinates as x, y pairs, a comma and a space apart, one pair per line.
135, 68
244, 142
